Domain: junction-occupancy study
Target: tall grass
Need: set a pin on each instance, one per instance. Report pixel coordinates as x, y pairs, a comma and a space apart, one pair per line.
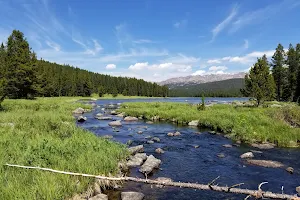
44, 134
241, 123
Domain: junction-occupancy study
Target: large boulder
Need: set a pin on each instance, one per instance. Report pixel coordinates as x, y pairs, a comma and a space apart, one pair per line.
78, 111
115, 123
247, 155
263, 145
266, 163
128, 118
132, 196
136, 149
150, 164
136, 160
81, 119
99, 197
193, 123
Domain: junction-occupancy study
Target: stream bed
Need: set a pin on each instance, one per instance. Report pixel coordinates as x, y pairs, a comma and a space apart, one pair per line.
185, 163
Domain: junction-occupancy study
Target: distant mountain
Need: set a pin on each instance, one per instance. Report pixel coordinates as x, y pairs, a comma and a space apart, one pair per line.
193, 80
225, 88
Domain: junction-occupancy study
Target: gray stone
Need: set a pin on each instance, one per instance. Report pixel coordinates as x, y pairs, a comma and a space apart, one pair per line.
159, 150
104, 118
99, 197
136, 160
120, 115
247, 155
113, 112
193, 123
132, 196
98, 115
290, 170
130, 119
78, 111
196, 146
108, 136
221, 155
115, 123
227, 145
149, 122
150, 141
170, 134
177, 133
266, 163
263, 145
298, 190
156, 139
97, 189
150, 164
140, 132
81, 119
136, 149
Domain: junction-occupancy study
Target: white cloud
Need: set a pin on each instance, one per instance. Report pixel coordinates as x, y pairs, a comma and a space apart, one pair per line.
214, 61
138, 66
111, 66
199, 72
53, 45
217, 68
221, 26
182, 59
142, 41
248, 58
93, 51
246, 44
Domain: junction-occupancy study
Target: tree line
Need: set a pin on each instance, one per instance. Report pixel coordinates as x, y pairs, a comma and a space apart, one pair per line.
22, 75
278, 79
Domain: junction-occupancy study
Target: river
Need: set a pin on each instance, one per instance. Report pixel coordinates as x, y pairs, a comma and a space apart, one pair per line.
183, 162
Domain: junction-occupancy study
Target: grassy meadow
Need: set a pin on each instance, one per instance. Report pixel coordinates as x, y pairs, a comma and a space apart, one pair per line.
43, 133
248, 124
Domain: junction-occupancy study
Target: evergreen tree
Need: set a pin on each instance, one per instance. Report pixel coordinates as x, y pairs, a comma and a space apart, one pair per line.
259, 83
20, 63
279, 75
3, 73
292, 63
114, 92
101, 91
297, 93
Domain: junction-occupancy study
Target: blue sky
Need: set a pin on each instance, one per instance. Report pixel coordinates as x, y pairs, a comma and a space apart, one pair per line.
153, 39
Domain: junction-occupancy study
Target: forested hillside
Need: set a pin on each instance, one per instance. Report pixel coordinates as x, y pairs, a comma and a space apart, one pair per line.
22, 75
226, 88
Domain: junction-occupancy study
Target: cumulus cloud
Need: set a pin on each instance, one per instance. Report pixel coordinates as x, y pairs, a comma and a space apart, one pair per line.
199, 72
249, 58
111, 66
138, 66
214, 61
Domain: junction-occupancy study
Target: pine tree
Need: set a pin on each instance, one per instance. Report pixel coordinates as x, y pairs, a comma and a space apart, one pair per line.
297, 93
279, 75
101, 91
3, 73
114, 92
21, 77
259, 83
292, 72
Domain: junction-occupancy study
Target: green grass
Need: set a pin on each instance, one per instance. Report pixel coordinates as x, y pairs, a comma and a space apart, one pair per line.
241, 123
120, 96
45, 135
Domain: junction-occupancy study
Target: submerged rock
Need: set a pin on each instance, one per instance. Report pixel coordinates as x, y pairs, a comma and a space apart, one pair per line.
104, 118
78, 111
140, 132
159, 150
149, 122
177, 133
136, 160
247, 155
263, 145
150, 141
130, 118
113, 112
81, 119
132, 196
98, 115
150, 164
266, 163
99, 197
227, 145
298, 190
156, 139
108, 136
170, 134
221, 155
115, 123
136, 149
290, 170
193, 123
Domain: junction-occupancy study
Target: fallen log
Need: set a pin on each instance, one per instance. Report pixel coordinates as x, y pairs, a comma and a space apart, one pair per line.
231, 189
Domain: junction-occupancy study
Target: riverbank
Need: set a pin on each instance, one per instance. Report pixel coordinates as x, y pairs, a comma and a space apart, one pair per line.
275, 124
43, 133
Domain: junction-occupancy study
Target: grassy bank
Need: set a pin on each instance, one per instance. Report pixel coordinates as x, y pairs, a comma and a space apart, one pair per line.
241, 123
43, 133
120, 96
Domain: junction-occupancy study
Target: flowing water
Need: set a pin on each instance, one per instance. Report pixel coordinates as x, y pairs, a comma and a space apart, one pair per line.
183, 162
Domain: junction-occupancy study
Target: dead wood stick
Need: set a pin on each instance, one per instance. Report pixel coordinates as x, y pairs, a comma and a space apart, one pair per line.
254, 193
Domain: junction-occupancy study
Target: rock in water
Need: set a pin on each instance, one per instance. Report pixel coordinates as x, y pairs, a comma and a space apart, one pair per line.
290, 170
113, 112
99, 197
193, 123
150, 141
177, 133
130, 119
104, 118
81, 119
150, 164
136, 160
136, 149
132, 196
298, 190
159, 150
149, 122
170, 134
78, 111
221, 155
115, 123
266, 163
156, 139
263, 145
227, 145
140, 132
247, 155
